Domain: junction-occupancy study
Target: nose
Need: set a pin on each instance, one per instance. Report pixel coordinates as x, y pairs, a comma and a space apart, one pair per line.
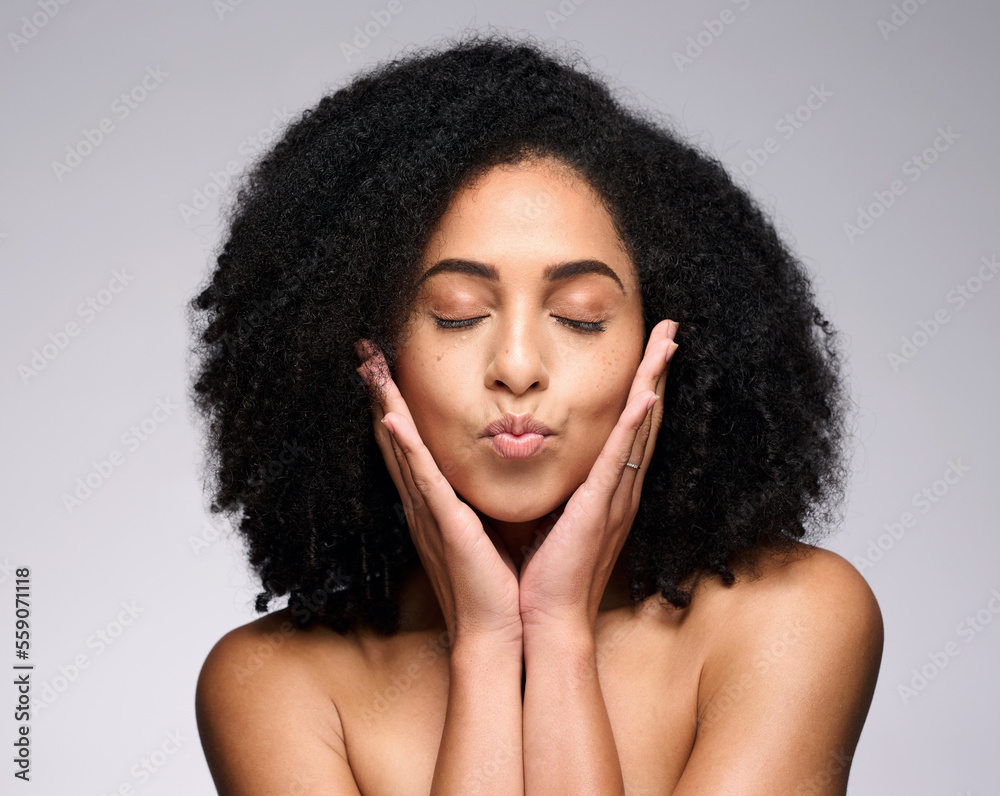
518, 360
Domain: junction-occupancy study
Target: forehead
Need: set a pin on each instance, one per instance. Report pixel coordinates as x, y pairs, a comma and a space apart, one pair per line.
526, 218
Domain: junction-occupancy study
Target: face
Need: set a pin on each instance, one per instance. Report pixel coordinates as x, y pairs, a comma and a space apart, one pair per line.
529, 306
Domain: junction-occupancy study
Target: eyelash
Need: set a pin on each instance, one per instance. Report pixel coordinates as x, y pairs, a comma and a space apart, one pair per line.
587, 327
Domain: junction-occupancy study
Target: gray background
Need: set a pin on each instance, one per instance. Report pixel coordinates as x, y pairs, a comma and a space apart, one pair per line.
228, 73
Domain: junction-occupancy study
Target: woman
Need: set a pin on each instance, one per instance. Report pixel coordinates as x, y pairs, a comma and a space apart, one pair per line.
520, 558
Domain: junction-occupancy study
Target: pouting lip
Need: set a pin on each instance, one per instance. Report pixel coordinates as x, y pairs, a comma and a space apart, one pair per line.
516, 424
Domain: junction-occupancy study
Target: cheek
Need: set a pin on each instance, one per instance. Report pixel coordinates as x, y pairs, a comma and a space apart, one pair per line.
598, 397
602, 388
419, 371
433, 390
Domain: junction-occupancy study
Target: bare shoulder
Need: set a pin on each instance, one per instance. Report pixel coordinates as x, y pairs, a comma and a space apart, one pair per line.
808, 579
267, 721
808, 593
793, 650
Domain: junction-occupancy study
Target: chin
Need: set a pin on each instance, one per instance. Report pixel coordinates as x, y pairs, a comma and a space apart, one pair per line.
508, 506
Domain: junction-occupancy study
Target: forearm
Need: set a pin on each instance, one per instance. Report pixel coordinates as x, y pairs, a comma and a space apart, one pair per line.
568, 742
480, 748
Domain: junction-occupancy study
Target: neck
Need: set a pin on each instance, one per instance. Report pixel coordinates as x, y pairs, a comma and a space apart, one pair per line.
519, 537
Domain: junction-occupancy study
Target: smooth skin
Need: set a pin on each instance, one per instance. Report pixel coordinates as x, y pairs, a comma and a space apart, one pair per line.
759, 688
496, 608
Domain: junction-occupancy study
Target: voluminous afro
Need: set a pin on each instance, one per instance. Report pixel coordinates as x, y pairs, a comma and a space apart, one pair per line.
323, 243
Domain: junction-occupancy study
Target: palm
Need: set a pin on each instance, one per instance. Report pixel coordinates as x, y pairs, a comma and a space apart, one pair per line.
564, 579
470, 568
475, 584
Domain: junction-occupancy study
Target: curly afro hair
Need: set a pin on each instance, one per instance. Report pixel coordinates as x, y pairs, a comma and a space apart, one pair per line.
323, 243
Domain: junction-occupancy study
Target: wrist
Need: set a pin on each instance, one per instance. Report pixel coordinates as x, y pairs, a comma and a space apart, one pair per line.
573, 638
480, 646
562, 658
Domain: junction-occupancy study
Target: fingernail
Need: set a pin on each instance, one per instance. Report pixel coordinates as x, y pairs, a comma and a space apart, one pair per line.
652, 401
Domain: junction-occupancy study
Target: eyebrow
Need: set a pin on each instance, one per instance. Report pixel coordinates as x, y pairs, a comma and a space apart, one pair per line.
552, 273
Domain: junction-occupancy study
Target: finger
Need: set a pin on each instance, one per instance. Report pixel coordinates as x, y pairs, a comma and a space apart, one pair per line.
645, 444
425, 478
375, 371
392, 401
651, 366
395, 461
364, 348
642, 452
651, 374
420, 479
633, 471
652, 371
605, 482
606, 474
385, 397
377, 412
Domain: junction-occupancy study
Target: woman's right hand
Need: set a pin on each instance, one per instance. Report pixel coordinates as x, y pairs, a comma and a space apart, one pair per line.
467, 562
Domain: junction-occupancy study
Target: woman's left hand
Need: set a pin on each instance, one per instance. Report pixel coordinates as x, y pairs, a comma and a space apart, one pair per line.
563, 580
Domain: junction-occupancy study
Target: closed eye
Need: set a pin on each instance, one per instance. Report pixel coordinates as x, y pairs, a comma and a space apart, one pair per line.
466, 323
583, 326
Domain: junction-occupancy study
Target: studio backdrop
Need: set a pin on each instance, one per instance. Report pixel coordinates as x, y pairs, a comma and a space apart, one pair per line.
868, 130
